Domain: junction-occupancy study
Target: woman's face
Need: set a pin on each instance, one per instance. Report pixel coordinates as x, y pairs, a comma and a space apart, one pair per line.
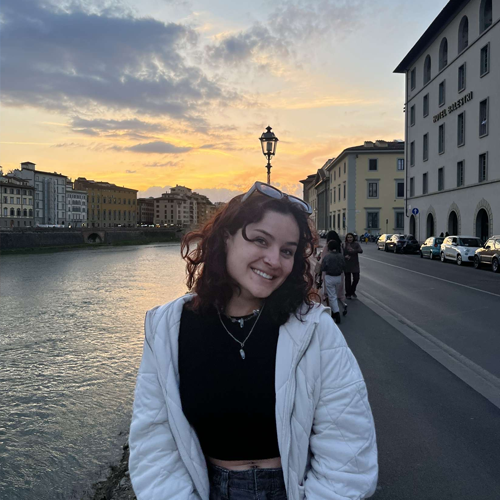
261, 266
350, 238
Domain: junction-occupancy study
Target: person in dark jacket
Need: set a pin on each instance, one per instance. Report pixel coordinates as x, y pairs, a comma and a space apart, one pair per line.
333, 235
333, 265
352, 249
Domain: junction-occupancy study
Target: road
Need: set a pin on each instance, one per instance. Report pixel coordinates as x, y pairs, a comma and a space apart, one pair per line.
438, 437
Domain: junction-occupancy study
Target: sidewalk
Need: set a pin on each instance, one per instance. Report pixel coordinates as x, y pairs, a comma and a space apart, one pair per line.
437, 437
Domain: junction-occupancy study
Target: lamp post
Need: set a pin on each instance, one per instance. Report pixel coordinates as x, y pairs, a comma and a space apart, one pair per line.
268, 141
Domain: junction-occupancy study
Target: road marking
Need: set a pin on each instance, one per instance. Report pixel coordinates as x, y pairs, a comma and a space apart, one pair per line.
433, 277
481, 380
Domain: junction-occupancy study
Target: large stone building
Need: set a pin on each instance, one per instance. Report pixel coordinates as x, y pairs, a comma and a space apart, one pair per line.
183, 208
50, 194
452, 123
145, 211
366, 189
76, 206
16, 202
108, 205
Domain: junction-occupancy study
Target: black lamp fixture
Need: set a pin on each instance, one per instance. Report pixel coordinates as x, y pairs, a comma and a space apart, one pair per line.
268, 141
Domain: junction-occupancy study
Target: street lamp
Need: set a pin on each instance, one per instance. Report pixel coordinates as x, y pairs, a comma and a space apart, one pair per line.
268, 141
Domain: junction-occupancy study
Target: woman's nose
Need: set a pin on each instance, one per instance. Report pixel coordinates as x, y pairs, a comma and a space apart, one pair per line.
272, 257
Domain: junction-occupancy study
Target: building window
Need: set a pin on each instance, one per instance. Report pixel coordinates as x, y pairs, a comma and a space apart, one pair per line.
412, 115
485, 15
372, 220
463, 34
334, 195
425, 148
338, 220
400, 164
425, 183
441, 139
413, 78
373, 164
483, 167
427, 69
373, 189
441, 179
5, 212
460, 173
426, 105
335, 175
400, 189
485, 60
412, 186
399, 221
345, 167
461, 129
483, 118
443, 54
442, 93
345, 191
412, 154
461, 78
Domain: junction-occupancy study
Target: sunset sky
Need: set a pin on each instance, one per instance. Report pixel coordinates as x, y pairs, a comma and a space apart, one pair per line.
153, 93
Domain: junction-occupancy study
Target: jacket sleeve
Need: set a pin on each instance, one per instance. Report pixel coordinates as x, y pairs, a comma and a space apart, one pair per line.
343, 445
156, 469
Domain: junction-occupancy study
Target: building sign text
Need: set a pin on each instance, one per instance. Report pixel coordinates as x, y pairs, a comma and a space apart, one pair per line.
452, 107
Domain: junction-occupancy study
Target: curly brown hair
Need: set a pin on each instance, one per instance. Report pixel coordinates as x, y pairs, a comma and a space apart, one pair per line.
205, 254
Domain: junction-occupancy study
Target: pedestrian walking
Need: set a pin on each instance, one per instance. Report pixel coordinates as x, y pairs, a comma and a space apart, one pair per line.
247, 388
333, 265
333, 235
352, 249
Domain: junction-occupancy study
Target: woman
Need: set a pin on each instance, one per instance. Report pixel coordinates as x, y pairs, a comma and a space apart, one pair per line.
352, 249
333, 265
333, 236
247, 388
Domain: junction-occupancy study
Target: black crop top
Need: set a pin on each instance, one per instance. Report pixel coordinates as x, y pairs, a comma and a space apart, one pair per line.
230, 402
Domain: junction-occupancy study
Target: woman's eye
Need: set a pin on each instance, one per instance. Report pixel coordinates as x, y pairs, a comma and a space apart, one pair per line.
288, 253
261, 241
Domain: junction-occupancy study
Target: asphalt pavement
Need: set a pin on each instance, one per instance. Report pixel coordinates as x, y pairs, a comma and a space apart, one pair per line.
437, 437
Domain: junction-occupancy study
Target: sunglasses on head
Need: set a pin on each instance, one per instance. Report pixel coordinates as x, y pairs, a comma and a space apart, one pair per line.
272, 192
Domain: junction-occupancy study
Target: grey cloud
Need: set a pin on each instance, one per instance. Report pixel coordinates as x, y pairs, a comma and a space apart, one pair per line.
104, 125
130, 171
158, 147
164, 164
293, 25
68, 60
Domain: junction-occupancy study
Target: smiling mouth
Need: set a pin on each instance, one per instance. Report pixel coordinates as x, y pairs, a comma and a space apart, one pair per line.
262, 274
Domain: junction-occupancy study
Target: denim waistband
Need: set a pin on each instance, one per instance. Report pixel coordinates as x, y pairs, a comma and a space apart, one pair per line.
252, 480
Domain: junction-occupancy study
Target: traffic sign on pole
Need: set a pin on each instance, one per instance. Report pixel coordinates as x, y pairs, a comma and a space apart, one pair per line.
414, 211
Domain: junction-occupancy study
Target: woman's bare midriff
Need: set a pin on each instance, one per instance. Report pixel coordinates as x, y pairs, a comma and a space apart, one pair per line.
267, 463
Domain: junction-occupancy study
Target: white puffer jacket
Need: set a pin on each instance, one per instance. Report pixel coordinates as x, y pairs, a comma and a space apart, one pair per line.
326, 434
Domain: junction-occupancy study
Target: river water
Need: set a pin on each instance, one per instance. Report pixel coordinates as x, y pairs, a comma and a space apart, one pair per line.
71, 336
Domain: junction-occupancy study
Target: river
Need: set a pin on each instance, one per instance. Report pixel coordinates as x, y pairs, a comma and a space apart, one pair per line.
71, 336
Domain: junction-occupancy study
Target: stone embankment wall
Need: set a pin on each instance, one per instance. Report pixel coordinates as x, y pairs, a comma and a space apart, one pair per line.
36, 238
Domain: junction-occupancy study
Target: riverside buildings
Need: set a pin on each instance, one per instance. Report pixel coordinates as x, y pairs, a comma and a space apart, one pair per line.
108, 205
50, 194
183, 208
76, 206
145, 211
452, 123
16, 202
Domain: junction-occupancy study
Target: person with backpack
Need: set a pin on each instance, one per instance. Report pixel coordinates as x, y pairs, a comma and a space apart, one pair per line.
333, 265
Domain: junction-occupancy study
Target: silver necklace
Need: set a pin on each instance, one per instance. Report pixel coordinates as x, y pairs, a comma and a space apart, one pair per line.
242, 344
241, 321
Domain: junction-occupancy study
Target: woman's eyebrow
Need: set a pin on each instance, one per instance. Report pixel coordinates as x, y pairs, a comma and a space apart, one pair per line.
272, 237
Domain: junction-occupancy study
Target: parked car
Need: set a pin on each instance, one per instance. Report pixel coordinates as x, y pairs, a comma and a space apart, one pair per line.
382, 241
459, 248
489, 254
402, 243
431, 247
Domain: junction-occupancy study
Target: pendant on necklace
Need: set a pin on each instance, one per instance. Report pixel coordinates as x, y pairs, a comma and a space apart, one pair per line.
242, 353
241, 321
